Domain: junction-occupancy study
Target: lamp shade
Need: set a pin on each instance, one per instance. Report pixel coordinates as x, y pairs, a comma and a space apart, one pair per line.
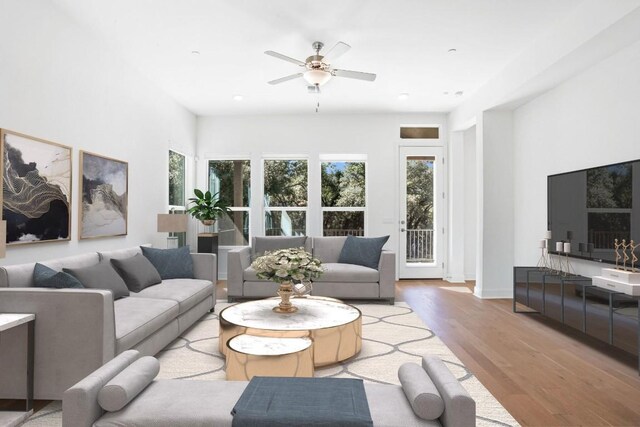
172, 223
317, 77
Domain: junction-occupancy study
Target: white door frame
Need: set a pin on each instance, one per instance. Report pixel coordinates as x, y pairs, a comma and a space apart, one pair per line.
434, 269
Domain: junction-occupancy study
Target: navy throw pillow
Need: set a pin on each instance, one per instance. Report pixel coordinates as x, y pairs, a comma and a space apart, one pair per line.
363, 251
171, 263
45, 277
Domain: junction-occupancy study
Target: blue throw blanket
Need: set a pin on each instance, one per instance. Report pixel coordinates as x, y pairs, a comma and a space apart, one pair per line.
280, 402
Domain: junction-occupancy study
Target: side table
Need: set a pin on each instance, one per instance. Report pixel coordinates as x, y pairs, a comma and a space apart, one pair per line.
9, 321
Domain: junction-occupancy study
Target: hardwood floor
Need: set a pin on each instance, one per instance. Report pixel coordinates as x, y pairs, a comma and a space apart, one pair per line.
543, 373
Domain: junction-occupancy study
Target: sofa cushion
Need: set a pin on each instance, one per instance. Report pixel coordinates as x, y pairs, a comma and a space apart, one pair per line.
137, 272
138, 318
45, 277
121, 253
363, 250
271, 243
382, 397
327, 249
100, 276
421, 392
125, 386
251, 275
336, 272
171, 263
186, 292
171, 403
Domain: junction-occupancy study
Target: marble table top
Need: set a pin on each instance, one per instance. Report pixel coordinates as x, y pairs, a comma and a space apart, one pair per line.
268, 346
312, 314
10, 320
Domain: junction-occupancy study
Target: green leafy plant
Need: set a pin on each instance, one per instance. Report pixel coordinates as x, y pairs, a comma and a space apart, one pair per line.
207, 207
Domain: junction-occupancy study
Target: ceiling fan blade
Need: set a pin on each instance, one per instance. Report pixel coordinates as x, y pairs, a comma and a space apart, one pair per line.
284, 79
354, 75
284, 58
336, 51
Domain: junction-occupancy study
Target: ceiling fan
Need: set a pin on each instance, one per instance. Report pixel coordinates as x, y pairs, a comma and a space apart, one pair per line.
317, 68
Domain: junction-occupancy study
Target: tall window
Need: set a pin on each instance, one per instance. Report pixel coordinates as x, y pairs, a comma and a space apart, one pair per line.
285, 197
343, 198
176, 179
232, 180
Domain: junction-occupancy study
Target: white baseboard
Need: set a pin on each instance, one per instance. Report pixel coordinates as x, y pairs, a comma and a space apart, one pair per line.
455, 279
494, 293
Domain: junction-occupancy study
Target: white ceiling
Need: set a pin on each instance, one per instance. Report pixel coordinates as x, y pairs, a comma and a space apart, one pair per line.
404, 41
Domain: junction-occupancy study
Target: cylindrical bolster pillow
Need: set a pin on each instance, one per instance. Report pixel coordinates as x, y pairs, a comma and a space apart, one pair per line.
118, 392
421, 392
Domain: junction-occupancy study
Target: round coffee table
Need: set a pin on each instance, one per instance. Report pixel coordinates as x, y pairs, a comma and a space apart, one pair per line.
334, 327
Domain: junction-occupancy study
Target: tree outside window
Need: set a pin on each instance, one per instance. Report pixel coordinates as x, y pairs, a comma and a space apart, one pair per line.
176, 179
343, 187
232, 180
285, 197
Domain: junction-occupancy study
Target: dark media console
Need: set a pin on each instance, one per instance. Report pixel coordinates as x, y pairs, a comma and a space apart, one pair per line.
610, 316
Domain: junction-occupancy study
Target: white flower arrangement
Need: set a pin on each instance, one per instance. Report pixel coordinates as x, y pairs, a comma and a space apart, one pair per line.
288, 265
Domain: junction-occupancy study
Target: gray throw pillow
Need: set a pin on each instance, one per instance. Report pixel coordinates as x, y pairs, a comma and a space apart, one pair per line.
272, 243
125, 386
45, 277
171, 263
363, 251
137, 272
421, 392
100, 276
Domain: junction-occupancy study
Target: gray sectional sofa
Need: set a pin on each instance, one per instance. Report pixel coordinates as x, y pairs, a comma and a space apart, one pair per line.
345, 281
79, 330
432, 398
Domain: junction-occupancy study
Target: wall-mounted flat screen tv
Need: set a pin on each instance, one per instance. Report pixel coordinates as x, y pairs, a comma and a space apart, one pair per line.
590, 208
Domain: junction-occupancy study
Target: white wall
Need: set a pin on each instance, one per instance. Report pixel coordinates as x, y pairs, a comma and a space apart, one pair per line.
470, 203
588, 121
377, 136
58, 83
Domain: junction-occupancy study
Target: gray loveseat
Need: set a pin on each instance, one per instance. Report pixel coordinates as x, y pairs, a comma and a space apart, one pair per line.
197, 403
78, 330
345, 281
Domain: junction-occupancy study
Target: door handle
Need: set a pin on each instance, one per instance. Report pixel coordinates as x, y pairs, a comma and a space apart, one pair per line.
402, 230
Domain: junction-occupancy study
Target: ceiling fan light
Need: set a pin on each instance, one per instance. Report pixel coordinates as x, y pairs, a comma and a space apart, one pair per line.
317, 77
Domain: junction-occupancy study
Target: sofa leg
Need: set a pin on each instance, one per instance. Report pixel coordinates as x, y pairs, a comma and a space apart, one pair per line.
212, 309
230, 299
392, 301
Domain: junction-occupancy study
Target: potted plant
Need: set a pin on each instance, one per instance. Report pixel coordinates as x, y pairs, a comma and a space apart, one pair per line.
207, 207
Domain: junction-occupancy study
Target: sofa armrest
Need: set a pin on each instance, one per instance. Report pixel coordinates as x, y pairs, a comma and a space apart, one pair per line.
387, 270
74, 335
237, 261
459, 406
205, 267
80, 402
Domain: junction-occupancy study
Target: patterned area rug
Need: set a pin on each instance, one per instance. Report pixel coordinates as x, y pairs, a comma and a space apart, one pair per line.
392, 335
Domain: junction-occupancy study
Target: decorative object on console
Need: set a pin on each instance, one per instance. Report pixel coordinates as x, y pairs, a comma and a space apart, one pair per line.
36, 189
284, 266
616, 246
104, 190
634, 258
626, 282
303, 288
172, 223
542, 262
625, 257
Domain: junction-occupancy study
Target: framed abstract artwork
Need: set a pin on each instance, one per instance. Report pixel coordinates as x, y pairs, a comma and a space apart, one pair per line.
104, 190
36, 189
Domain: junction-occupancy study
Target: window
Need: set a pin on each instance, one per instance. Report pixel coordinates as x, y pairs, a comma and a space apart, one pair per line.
343, 198
176, 179
285, 197
232, 180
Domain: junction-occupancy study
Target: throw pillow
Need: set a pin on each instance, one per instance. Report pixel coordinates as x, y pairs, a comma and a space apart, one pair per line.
100, 276
45, 277
363, 251
128, 384
137, 272
420, 391
272, 243
171, 263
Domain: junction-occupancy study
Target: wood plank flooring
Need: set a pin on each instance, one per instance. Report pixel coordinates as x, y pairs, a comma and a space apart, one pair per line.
543, 373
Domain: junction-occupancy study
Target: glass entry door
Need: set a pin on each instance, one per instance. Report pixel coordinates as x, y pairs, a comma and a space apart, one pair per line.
421, 213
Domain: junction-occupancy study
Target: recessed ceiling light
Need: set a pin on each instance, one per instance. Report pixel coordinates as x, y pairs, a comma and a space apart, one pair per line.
195, 52
238, 97
403, 96
445, 92
459, 93
452, 50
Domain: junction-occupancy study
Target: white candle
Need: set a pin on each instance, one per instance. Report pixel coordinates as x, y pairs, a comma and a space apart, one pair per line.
542, 244
547, 235
567, 247
559, 246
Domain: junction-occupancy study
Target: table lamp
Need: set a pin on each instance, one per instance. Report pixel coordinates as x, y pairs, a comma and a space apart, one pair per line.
172, 224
